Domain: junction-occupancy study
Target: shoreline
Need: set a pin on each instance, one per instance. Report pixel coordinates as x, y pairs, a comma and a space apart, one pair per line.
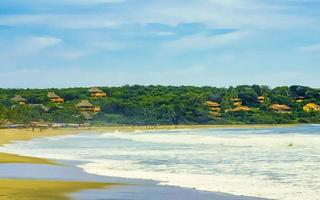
38, 188
23, 134
12, 135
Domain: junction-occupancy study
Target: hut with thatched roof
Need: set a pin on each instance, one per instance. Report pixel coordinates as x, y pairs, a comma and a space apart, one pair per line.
311, 107
261, 99
55, 98
236, 101
215, 108
97, 93
20, 99
86, 106
299, 99
280, 108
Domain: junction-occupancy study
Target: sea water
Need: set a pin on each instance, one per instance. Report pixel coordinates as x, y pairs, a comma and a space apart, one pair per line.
274, 163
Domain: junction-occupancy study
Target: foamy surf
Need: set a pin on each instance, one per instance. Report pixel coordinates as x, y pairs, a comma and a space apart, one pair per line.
232, 184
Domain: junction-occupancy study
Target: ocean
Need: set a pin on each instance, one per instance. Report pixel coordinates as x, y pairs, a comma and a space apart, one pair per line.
273, 163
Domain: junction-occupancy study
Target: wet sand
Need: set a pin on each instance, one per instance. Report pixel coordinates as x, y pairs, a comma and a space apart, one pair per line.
129, 189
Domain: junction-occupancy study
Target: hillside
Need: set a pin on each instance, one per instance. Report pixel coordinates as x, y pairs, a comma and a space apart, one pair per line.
152, 105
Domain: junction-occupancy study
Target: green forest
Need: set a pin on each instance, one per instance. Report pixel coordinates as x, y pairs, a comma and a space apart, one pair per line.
163, 105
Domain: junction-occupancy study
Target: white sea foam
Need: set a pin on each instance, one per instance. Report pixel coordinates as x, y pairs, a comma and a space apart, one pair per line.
233, 140
263, 163
233, 184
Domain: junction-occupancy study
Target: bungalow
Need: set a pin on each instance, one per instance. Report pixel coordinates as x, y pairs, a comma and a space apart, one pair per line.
97, 93
311, 107
236, 102
215, 108
55, 98
261, 99
299, 99
86, 106
280, 108
239, 109
20, 99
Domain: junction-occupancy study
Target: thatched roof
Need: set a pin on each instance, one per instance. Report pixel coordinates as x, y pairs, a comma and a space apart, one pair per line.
52, 95
280, 107
236, 100
84, 103
95, 90
298, 98
213, 104
312, 106
19, 98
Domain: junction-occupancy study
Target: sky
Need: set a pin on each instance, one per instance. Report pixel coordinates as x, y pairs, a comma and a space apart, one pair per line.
70, 43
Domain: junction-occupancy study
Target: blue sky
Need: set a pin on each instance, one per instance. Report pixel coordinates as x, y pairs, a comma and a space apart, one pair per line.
65, 43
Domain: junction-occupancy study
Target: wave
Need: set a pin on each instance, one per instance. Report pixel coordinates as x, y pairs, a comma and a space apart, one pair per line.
231, 140
233, 184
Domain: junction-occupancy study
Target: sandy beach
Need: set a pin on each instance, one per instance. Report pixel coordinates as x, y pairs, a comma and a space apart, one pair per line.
17, 188
58, 185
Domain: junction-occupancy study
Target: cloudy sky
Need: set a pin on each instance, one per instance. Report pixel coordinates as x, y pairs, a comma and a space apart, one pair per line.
64, 43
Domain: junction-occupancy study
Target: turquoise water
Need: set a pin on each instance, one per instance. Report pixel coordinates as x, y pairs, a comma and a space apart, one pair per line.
275, 163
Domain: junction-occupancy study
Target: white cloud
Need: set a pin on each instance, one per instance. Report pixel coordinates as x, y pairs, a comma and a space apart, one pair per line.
238, 14
34, 44
79, 21
310, 48
203, 42
164, 33
24, 49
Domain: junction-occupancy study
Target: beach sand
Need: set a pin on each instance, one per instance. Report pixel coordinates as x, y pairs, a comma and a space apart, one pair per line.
43, 189
36, 189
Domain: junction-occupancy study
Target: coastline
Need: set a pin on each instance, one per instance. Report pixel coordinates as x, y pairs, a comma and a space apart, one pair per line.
12, 135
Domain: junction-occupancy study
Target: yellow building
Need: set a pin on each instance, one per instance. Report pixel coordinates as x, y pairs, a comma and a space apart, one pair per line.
299, 99
55, 98
215, 108
97, 93
261, 99
311, 107
86, 106
280, 108
236, 102
20, 99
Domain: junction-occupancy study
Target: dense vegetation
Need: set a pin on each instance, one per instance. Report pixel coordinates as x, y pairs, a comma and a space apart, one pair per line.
152, 105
